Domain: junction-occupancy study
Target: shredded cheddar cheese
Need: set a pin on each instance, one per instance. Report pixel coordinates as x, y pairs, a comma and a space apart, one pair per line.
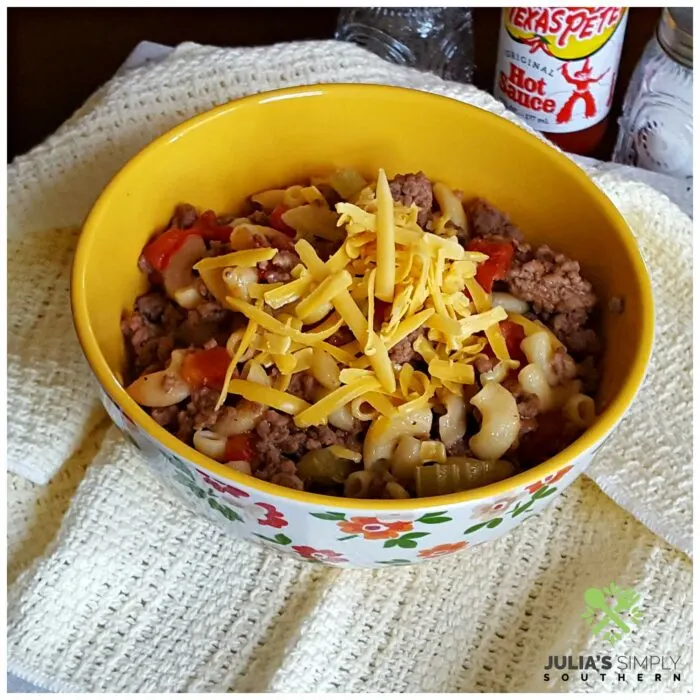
531, 327
241, 258
281, 400
387, 279
318, 413
386, 244
497, 342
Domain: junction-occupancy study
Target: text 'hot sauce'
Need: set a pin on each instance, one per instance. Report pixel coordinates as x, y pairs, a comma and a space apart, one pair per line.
557, 68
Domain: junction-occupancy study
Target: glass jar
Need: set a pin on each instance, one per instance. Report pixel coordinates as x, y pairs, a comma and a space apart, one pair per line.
656, 126
435, 39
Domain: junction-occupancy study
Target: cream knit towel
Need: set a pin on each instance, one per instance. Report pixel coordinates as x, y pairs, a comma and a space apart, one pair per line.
132, 593
136, 594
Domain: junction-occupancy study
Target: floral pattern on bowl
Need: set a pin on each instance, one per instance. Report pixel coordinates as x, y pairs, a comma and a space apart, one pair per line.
350, 537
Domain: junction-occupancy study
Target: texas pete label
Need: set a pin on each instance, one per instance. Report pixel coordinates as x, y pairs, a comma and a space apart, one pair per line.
557, 66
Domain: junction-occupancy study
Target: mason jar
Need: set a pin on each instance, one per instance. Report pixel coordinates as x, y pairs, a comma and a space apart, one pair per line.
656, 126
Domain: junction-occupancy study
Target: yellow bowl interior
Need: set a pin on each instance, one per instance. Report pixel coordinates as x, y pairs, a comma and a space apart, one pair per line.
218, 159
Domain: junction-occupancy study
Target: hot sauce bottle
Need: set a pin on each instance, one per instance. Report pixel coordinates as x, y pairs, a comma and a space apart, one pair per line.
557, 68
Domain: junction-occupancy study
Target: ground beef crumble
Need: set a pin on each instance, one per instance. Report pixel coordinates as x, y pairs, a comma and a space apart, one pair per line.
280, 442
551, 282
150, 332
279, 269
486, 221
403, 351
414, 188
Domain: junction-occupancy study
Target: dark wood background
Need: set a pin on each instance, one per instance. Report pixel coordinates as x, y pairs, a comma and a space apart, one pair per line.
58, 56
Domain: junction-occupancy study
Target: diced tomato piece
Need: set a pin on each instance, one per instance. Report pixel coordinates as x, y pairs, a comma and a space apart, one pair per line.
159, 251
207, 227
498, 264
277, 222
239, 448
206, 367
514, 334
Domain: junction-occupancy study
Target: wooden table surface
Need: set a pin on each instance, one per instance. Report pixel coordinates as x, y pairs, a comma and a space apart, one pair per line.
58, 56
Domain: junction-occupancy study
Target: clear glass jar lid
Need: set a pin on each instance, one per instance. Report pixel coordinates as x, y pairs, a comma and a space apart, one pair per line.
675, 34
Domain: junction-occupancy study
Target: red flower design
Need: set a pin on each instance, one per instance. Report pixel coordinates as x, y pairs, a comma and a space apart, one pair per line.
326, 555
273, 518
221, 487
551, 479
442, 549
375, 529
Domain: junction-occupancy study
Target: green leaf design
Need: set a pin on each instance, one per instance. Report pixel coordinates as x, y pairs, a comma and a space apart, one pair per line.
181, 468
180, 478
433, 520
544, 492
329, 516
407, 541
494, 523
178, 464
225, 511
478, 526
347, 537
520, 509
190, 484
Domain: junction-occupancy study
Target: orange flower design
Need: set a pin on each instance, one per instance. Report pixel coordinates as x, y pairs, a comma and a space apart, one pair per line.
442, 549
374, 529
551, 479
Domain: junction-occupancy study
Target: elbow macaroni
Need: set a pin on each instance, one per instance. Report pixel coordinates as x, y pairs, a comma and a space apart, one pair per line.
499, 372
384, 433
500, 422
239, 419
538, 350
580, 410
210, 444
362, 409
453, 424
450, 205
164, 388
325, 369
342, 418
358, 484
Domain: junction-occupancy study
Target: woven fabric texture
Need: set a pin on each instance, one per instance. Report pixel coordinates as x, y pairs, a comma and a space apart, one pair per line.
136, 594
130, 592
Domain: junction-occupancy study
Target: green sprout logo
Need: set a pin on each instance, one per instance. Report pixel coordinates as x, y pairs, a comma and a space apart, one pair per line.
612, 602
